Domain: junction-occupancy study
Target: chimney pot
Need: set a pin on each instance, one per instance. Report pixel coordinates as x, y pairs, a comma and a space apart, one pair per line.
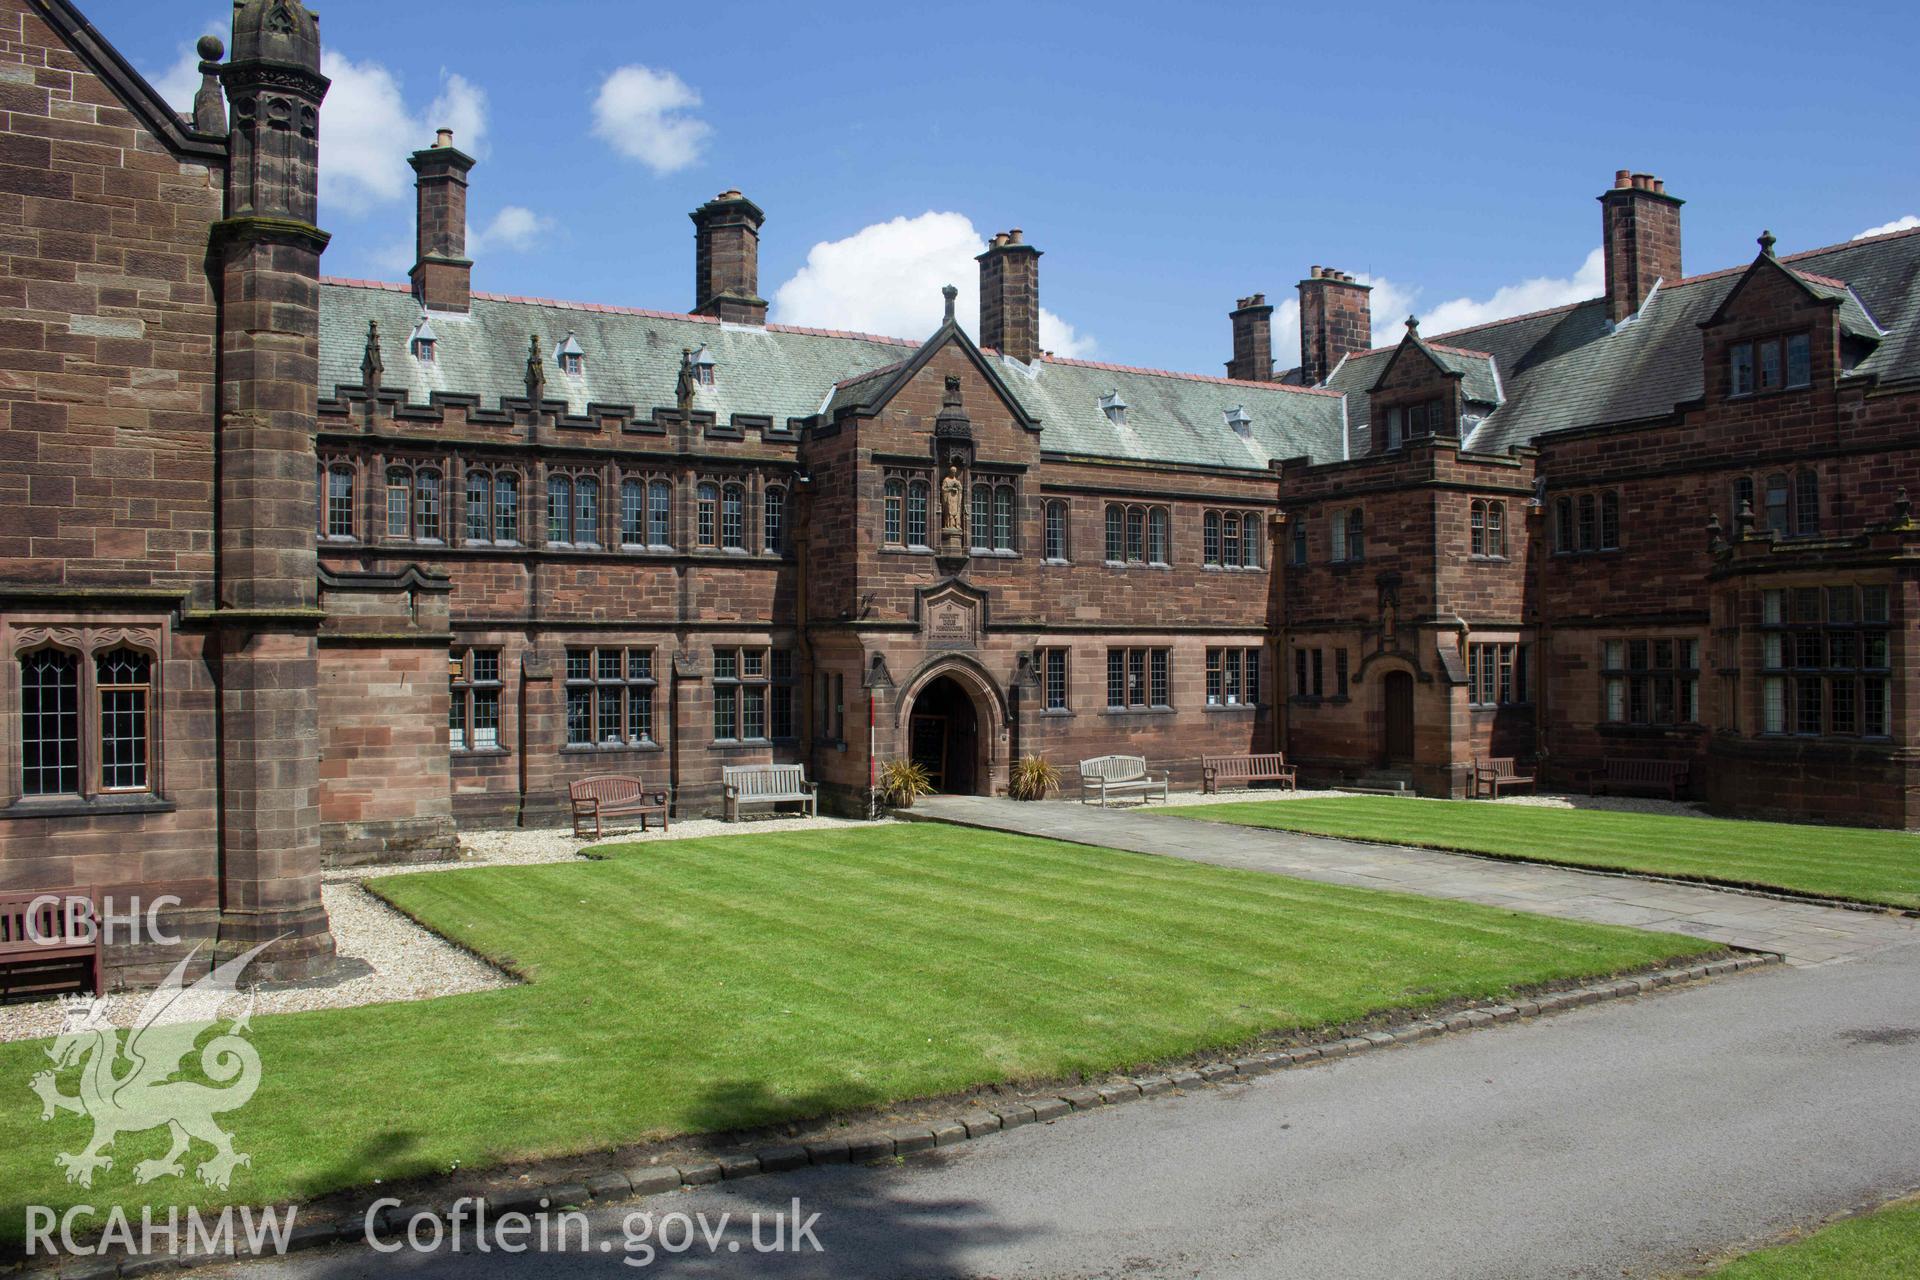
1010, 297
442, 273
726, 259
1252, 340
1640, 229
1336, 319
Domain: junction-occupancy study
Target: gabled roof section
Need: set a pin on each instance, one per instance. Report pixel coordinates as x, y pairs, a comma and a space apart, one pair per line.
128, 84
1567, 367
870, 394
1818, 287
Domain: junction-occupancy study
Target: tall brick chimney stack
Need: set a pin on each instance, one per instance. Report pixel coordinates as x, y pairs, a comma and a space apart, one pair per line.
1252, 340
1010, 297
726, 259
442, 273
1641, 226
1336, 319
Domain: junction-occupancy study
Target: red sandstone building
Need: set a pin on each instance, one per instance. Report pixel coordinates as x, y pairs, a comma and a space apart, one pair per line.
297, 570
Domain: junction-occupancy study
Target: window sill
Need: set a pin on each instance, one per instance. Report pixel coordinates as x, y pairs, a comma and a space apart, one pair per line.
749, 744
101, 806
1057, 713
1590, 551
1161, 710
609, 749
1623, 729
1055, 561
1489, 559
1762, 393
478, 753
1230, 707
897, 549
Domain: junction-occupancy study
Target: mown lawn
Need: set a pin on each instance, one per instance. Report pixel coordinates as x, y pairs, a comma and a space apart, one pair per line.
698, 985
1878, 1246
1841, 862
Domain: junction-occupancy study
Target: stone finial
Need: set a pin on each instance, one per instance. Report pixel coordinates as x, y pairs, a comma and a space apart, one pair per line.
536, 370
1716, 541
1743, 522
683, 383
371, 365
949, 293
210, 101
1413, 326
276, 31
1902, 510
1766, 243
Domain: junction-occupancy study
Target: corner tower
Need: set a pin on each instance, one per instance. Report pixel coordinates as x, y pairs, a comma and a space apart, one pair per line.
267, 254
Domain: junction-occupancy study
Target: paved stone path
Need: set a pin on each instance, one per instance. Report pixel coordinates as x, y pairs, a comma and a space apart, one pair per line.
1806, 934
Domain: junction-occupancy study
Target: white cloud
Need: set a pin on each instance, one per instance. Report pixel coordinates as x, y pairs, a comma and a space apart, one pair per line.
886, 279
367, 130
1392, 302
641, 113
1898, 224
181, 80
514, 229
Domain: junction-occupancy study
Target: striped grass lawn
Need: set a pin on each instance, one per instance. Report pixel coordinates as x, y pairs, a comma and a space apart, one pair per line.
1878, 1246
1855, 863
695, 985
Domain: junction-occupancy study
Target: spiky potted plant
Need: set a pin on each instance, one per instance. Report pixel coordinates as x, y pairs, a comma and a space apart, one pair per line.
902, 782
1033, 778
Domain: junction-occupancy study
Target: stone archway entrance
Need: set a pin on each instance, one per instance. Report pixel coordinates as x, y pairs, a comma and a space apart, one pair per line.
943, 736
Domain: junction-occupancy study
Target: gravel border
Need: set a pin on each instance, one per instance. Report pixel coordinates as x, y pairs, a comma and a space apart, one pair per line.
618, 1182
388, 957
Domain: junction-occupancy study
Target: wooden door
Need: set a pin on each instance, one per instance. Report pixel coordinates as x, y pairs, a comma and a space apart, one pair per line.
927, 747
1398, 715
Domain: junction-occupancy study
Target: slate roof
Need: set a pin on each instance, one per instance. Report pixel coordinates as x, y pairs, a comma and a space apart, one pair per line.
632, 358
1567, 367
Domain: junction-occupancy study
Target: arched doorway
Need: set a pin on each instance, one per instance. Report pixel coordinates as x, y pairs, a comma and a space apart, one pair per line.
943, 736
1396, 719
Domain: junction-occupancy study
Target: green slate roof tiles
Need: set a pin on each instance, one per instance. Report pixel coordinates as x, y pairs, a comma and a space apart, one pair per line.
632, 359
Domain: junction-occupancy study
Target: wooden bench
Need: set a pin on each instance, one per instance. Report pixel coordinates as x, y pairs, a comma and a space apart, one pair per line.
614, 796
773, 784
1244, 771
1641, 775
1120, 777
1497, 774
39, 954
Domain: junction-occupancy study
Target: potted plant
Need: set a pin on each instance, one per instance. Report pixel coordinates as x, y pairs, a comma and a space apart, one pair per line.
902, 782
1033, 778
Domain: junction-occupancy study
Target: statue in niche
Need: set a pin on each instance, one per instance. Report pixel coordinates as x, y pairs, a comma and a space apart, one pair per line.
952, 501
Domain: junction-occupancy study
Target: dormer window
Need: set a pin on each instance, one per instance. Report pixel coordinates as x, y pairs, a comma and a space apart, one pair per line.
424, 342
568, 355
702, 364
1240, 420
1114, 407
1770, 364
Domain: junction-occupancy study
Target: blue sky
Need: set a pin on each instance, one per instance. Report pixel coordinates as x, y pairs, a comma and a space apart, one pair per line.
1167, 158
